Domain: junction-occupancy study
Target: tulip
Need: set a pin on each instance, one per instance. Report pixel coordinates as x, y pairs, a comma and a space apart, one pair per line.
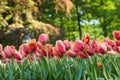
95, 46
118, 49
39, 45
82, 55
89, 50
49, 49
67, 44
71, 53
56, 53
7, 60
86, 39
9, 51
43, 38
99, 64
18, 55
44, 53
60, 46
102, 48
37, 54
109, 42
22, 53
25, 48
116, 35
117, 42
32, 45
78, 46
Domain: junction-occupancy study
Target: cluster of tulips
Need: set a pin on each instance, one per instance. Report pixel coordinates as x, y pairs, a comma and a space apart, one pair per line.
34, 50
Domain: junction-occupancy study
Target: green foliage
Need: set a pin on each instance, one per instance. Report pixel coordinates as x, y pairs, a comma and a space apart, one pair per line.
65, 68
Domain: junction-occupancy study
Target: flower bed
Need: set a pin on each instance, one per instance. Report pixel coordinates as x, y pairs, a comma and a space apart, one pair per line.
81, 59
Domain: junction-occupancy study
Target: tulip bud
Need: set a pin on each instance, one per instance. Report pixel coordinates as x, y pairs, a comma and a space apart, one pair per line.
67, 44
43, 38
9, 51
24, 47
86, 39
78, 46
99, 64
116, 35
102, 48
18, 55
60, 46
32, 45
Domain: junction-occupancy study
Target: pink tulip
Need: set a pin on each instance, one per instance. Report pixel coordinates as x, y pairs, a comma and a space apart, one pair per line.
44, 53
9, 51
60, 46
71, 53
43, 38
25, 48
109, 42
82, 55
95, 46
37, 54
102, 48
116, 35
88, 50
67, 44
22, 53
17, 55
56, 53
78, 46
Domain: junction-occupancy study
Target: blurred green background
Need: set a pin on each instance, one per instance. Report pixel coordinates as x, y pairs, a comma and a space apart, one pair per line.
22, 20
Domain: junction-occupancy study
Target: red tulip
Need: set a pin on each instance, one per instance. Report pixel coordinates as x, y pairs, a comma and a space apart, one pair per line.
78, 46
18, 55
43, 38
9, 51
118, 49
71, 53
49, 49
89, 50
102, 48
116, 35
117, 42
67, 44
56, 52
43, 50
25, 48
82, 55
86, 39
109, 42
32, 45
95, 46
60, 46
